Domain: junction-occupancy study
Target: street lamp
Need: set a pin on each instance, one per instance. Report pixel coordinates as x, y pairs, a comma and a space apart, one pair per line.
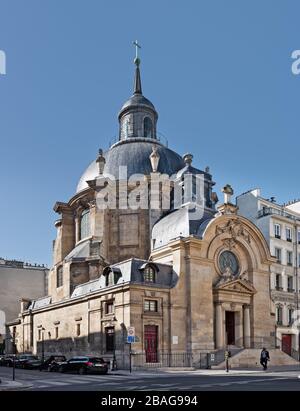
43, 346
13, 340
114, 364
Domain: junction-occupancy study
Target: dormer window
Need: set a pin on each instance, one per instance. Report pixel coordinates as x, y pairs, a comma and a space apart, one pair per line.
85, 224
109, 280
148, 127
149, 274
112, 276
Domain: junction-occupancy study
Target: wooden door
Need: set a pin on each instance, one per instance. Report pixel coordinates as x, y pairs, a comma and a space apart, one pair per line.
151, 339
286, 343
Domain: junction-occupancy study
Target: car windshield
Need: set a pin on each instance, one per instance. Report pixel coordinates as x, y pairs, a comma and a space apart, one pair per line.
28, 357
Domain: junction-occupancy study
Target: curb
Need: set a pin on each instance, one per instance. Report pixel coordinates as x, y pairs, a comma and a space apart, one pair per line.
13, 385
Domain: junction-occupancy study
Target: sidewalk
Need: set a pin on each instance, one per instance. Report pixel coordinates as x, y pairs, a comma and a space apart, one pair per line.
9, 385
233, 371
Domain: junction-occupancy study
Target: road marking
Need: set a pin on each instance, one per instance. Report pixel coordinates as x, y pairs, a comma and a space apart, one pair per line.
53, 382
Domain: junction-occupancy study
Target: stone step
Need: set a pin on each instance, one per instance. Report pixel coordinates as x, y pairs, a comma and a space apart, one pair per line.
250, 357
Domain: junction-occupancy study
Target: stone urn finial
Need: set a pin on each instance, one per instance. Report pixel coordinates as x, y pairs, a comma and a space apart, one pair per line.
100, 161
188, 159
228, 192
154, 159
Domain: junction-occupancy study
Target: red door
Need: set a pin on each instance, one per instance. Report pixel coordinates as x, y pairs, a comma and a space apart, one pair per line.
150, 338
286, 343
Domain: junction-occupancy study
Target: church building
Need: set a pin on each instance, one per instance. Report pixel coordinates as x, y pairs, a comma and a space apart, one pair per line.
193, 278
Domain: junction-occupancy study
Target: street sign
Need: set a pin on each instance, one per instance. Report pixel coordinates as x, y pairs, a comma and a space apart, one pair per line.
130, 335
131, 331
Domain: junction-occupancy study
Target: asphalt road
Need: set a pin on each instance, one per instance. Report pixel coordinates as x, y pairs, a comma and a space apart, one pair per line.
192, 381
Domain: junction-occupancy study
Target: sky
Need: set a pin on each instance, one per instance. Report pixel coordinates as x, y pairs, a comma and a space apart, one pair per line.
218, 72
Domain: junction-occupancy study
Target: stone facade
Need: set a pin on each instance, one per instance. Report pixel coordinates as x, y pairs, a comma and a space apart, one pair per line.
280, 225
18, 282
188, 282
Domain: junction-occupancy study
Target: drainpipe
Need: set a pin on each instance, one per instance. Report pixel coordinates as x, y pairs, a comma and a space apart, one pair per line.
297, 282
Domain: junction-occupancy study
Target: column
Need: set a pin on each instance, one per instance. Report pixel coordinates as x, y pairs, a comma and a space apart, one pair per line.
247, 331
219, 326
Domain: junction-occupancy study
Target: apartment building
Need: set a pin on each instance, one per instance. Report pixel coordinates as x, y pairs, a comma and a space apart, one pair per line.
280, 225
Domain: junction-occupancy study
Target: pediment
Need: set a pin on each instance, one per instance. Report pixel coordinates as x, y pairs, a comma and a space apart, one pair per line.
238, 286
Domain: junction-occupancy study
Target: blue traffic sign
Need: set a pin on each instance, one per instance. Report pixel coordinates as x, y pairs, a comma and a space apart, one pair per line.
130, 339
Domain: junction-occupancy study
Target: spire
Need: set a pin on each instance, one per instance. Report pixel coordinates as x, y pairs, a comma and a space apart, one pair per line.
137, 88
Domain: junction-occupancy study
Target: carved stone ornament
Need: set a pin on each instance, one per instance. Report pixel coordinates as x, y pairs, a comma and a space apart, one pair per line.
154, 159
229, 243
235, 229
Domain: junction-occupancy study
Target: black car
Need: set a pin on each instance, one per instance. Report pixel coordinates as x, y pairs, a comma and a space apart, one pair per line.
84, 365
53, 362
7, 360
28, 361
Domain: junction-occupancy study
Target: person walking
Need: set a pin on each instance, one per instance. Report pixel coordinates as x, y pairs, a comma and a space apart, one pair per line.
264, 358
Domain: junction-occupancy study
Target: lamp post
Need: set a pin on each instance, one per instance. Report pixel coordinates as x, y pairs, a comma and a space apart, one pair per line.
43, 346
114, 364
13, 340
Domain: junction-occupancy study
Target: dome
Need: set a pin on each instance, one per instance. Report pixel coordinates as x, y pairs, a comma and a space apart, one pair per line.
137, 100
133, 153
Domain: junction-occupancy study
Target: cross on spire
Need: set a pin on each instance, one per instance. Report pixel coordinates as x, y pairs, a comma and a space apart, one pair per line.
137, 47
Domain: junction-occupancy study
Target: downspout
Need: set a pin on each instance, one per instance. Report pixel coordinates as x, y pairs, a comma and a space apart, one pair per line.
297, 282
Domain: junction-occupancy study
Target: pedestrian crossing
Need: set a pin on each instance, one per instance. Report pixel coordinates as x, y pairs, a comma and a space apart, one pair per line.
69, 380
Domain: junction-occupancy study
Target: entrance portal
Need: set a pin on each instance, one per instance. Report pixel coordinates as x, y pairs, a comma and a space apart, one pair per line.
230, 327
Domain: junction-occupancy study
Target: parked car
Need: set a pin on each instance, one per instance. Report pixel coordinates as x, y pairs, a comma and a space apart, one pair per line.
28, 361
2, 360
84, 365
7, 360
52, 363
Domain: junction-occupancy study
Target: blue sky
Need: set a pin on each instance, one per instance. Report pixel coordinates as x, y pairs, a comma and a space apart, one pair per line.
218, 72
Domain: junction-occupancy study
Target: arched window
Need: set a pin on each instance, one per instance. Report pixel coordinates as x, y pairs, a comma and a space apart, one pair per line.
85, 224
110, 279
59, 276
148, 127
149, 274
279, 315
112, 275
291, 316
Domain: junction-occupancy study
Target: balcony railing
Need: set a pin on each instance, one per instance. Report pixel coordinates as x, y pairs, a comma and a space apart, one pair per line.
273, 211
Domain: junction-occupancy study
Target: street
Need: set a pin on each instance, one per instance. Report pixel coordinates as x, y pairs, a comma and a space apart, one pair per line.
202, 380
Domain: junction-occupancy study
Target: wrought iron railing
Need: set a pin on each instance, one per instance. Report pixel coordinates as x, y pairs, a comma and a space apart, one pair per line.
273, 211
161, 360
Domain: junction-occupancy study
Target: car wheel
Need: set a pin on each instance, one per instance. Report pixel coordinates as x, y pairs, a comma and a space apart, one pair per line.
81, 371
49, 369
61, 369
